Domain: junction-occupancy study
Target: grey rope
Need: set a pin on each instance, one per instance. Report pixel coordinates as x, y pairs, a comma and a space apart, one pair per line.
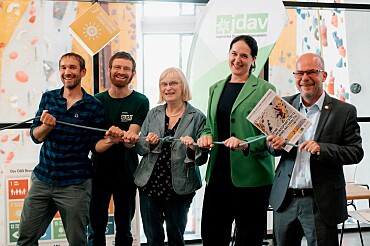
172, 139
60, 122
165, 139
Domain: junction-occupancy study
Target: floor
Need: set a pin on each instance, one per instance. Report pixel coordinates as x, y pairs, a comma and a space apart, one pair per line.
349, 239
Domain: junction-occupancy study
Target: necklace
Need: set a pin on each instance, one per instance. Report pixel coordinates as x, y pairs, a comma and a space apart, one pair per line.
176, 114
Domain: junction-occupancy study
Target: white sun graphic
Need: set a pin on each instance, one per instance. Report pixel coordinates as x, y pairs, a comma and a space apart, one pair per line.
92, 31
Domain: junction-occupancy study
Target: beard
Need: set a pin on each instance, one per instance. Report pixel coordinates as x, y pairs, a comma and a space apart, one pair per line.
70, 85
120, 83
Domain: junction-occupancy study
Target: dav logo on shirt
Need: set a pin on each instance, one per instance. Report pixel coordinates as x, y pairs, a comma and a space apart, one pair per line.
125, 117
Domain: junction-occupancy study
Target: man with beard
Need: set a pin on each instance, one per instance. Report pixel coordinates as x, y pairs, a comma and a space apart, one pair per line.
113, 170
62, 179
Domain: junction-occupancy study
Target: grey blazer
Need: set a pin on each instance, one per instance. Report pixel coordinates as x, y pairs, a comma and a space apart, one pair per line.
338, 135
184, 163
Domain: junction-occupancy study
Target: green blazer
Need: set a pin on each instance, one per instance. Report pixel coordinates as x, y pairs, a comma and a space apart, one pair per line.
251, 168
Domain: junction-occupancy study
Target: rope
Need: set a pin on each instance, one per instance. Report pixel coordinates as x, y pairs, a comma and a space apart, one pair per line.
60, 122
172, 139
165, 139
17, 124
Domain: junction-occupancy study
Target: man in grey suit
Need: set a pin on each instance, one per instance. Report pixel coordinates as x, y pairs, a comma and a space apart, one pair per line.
308, 194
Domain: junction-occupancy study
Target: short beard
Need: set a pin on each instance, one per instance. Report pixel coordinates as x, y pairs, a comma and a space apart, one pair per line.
120, 85
71, 87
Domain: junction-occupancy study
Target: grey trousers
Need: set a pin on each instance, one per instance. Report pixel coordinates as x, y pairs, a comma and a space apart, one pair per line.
44, 200
301, 217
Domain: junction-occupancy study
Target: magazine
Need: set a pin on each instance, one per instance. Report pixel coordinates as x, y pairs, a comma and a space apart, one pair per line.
274, 116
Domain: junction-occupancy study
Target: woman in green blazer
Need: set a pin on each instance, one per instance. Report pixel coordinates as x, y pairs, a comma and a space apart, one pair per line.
238, 178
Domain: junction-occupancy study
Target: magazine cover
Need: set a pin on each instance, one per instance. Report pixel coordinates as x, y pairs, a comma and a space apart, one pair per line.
274, 116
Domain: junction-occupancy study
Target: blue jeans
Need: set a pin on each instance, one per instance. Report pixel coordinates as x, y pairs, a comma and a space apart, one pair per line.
154, 211
44, 200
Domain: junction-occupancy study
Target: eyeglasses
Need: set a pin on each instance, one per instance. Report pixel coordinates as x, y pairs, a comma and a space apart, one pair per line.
126, 69
310, 73
171, 84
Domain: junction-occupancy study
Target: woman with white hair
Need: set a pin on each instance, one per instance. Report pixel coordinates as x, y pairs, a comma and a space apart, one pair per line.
168, 174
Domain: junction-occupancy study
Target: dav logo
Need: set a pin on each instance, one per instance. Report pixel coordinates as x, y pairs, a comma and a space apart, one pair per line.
242, 23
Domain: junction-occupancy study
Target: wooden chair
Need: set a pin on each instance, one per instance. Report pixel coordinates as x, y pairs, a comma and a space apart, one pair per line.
356, 192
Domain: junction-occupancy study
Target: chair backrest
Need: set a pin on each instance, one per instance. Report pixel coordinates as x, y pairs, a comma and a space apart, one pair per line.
350, 173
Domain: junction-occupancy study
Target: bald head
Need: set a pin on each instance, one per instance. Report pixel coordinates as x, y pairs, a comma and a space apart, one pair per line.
312, 58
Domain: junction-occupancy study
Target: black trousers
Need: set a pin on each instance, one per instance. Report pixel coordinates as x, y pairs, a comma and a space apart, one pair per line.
223, 204
124, 194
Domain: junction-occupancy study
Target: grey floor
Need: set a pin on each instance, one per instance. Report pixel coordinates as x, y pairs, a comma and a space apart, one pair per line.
349, 239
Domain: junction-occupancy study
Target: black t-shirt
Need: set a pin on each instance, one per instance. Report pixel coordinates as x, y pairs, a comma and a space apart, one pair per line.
221, 174
118, 161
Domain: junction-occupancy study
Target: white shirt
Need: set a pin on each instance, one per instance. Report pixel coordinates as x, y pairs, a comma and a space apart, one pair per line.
301, 175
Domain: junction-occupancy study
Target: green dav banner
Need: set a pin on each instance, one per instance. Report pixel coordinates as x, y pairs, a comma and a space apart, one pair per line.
222, 20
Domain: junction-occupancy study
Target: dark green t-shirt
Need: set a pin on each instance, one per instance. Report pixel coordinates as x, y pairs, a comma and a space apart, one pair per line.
118, 161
